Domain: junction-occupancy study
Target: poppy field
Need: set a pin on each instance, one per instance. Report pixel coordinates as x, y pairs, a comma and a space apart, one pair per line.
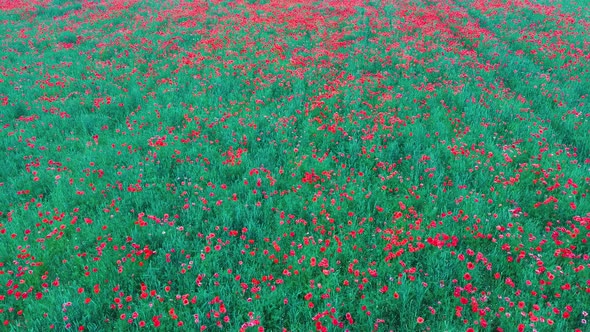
300, 165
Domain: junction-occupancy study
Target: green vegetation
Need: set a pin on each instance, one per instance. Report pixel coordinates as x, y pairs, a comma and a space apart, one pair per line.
294, 165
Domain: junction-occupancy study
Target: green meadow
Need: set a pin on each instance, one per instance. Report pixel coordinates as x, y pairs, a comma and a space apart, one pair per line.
294, 165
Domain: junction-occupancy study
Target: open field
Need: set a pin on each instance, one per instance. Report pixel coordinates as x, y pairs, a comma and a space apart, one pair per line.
408, 165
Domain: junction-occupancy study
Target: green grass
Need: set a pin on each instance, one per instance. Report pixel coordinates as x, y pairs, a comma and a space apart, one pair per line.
220, 165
